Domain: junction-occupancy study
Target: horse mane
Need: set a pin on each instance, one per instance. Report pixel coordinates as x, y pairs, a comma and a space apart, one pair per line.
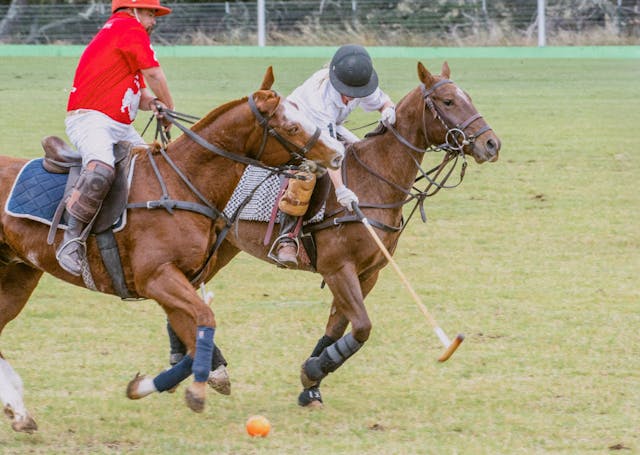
380, 129
209, 118
215, 113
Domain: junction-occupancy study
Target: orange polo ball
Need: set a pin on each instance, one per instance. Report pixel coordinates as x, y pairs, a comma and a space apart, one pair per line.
258, 426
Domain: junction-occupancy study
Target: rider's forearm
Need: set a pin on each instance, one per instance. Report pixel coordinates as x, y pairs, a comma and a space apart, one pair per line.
336, 178
157, 82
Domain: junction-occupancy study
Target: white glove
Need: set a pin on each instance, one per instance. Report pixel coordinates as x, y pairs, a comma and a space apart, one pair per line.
346, 197
388, 116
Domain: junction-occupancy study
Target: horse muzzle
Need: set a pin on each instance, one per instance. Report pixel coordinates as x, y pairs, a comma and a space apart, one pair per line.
487, 149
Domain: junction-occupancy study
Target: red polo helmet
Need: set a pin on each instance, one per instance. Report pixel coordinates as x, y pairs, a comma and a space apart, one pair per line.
146, 4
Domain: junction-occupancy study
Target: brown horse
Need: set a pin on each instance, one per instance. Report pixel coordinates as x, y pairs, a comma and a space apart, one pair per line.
381, 170
162, 251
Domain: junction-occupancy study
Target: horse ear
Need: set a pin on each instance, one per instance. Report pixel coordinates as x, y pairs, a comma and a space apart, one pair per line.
425, 76
446, 72
266, 101
268, 79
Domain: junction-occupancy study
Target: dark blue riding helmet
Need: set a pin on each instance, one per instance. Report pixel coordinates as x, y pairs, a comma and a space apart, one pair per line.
351, 72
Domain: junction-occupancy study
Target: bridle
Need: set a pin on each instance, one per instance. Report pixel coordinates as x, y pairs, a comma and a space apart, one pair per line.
456, 139
297, 153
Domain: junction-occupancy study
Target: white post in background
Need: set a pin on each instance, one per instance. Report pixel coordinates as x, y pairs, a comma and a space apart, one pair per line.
542, 32
261, 24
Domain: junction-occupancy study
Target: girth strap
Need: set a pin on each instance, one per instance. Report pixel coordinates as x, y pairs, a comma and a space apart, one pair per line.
170, 204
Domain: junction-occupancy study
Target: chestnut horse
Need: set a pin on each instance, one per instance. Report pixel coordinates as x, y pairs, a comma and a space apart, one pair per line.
381, 169
162, 251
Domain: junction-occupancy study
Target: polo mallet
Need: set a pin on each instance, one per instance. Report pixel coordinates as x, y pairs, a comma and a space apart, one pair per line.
450, 346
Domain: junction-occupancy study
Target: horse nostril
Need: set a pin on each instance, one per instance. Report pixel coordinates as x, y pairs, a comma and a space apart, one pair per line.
337, 162
491, 145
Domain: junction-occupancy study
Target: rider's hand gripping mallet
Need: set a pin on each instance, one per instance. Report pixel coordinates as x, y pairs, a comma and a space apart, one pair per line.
450, 346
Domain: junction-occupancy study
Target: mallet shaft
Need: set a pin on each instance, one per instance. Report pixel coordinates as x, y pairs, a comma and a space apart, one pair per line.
449, 345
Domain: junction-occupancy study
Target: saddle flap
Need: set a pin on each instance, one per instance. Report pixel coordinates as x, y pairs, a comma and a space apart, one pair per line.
116, 200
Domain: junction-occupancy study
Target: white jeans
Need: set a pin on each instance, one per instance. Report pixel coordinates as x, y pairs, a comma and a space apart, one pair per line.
93, 134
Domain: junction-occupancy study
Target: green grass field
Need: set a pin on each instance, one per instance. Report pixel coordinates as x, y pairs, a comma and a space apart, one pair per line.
535, 258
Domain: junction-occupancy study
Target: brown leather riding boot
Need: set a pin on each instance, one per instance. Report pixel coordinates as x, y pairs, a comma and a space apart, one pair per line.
287, 248
287, 252
82, 205
70, 253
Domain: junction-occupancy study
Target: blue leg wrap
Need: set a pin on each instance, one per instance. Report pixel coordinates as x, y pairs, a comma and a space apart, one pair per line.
175, 375
204, 351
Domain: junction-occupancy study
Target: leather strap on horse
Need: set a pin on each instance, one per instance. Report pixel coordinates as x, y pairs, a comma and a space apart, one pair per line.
165, 202
111, 258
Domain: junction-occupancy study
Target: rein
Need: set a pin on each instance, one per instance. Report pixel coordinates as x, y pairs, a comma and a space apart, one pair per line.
297, 153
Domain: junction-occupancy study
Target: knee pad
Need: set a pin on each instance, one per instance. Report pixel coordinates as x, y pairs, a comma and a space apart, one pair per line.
90, 190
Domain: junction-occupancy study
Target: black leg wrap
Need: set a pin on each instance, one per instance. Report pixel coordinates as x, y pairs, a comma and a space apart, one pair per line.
323, 343
176, 346
307, 396
217, 358
331, 357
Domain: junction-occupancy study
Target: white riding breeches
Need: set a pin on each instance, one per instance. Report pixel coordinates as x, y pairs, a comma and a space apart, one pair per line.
93, 134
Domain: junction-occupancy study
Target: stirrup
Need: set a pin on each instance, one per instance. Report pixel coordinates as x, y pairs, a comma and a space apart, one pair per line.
273, 251
65, 253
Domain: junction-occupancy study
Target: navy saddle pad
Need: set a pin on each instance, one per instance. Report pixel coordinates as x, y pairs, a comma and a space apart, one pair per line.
36, 193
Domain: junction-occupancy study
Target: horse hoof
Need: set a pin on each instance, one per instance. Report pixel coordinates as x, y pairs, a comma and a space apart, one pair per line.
307, 382
310, 398
132, 388
24, 424
27, 425
219, 380
195, 396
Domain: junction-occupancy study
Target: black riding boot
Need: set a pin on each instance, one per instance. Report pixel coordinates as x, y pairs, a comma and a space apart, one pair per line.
287, 248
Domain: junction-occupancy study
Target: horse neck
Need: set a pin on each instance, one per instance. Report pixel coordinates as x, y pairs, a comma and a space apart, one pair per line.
214, 176
387, 157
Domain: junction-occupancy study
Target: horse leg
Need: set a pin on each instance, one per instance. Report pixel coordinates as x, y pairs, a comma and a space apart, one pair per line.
194, 323
17, 282
218, 376
349, 302
335, 328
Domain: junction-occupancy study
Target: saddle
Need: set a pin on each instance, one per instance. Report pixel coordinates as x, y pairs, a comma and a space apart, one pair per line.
60, 158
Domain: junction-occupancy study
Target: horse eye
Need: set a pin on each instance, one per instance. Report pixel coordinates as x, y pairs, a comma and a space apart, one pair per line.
448, 102
293, 130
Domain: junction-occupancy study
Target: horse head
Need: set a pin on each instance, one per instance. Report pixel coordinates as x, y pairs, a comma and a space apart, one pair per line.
265, 127
284, 123
455, 121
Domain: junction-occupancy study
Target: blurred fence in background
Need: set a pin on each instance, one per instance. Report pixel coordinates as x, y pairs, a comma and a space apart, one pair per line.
330, 22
